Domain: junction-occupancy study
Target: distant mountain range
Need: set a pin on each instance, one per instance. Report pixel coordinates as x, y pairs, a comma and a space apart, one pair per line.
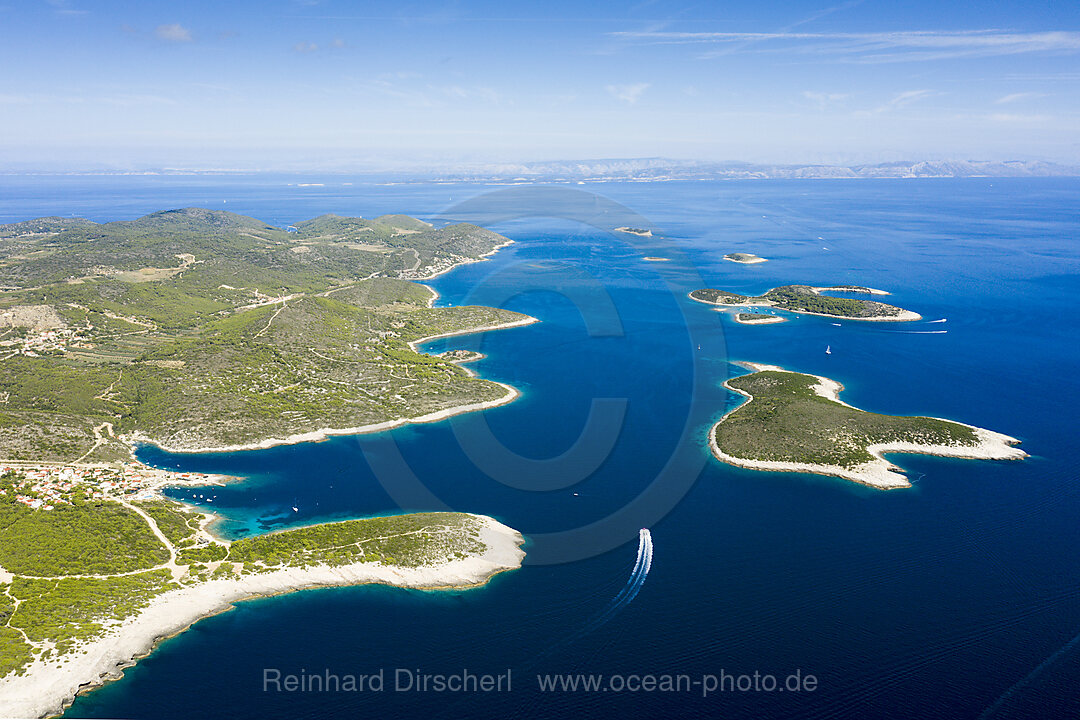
659, 169
656, 169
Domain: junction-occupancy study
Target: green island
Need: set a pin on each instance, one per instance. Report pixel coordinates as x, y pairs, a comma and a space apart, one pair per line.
197, 329
745, 258
642, 232
758, 319
810, 300
797, 423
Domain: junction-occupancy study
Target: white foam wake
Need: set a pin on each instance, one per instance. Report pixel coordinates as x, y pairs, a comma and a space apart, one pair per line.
637, 578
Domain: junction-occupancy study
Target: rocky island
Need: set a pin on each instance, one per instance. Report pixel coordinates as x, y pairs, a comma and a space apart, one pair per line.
758, 319
745, 258
810, 300
793, 422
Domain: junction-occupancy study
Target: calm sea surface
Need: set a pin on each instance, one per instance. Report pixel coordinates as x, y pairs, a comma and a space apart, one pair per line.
956, 598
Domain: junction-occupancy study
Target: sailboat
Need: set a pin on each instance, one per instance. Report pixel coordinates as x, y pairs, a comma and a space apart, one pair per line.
828, 349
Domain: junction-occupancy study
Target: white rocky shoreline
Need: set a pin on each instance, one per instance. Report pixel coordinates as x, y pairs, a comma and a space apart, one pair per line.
47, 687
879, 472
320, 434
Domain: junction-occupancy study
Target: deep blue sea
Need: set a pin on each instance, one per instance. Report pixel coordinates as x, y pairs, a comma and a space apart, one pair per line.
956, 598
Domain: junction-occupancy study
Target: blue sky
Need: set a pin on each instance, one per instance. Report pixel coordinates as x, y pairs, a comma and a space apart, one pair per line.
335, 84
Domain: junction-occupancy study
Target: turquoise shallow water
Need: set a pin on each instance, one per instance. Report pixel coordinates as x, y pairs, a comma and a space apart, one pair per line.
937, 601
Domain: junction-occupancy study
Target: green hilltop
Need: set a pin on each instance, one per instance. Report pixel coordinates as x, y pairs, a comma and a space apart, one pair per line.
205, 328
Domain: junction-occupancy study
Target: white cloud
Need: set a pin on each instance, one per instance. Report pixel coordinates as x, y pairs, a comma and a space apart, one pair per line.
897, 102
880, 46
823, 100
1016, 97
305, 47
473, 92
63, 7
629, 94
173, 32
903, 99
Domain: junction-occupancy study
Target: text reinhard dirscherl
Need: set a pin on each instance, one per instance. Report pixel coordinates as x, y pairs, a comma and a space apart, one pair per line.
405, 680
396, 680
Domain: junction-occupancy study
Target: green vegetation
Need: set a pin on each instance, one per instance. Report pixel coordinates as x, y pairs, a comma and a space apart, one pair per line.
712, 296
786, 421
204, 554
15, 652
409, 540
99, 538
743, 257
751, 318
70, 609
175, 523
88, 557
803, 298
199, 328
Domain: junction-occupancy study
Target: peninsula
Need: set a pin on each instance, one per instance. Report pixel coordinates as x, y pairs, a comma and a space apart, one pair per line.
792, 422
809, 300
196, 330
745, 258
94, 584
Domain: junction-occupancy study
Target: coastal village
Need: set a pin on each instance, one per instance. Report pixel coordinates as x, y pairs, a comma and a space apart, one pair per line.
44, 487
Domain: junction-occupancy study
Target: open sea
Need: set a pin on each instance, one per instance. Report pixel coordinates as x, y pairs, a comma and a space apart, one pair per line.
956, 598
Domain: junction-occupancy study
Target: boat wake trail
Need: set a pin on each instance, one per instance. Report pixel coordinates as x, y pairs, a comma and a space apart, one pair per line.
1005, 696
934, 321
626, 595
633, 586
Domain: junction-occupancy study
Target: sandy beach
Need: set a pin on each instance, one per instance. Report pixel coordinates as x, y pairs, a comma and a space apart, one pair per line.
47, 687
878, 473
